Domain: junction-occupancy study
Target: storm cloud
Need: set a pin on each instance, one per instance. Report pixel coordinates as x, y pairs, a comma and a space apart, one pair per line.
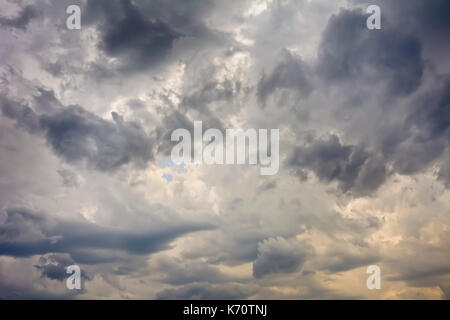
352, 167
351, 52
86, 177
130, 35
25, 233
79, 135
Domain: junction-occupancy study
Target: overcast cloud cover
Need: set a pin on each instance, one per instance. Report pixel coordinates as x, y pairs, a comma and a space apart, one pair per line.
85, 123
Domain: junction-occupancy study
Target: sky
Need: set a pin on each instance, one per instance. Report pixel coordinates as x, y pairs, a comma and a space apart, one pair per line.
86, 176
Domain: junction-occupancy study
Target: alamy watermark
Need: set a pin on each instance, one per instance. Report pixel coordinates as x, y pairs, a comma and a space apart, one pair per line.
74, 280
374, 280
73, 21
374, 20
233, 152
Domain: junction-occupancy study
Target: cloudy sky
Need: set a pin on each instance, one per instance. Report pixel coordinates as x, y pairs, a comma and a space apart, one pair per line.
85, 123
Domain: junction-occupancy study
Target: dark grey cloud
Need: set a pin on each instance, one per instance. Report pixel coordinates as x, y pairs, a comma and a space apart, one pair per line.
277, 255
77, 135
433, 112
127, 33
349, 52
352, 167
431, 23
22, 113
432, 15
22, 20
378, 66
25, 233
423, 136
54, 267
183, 15
291, 73
143, 35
